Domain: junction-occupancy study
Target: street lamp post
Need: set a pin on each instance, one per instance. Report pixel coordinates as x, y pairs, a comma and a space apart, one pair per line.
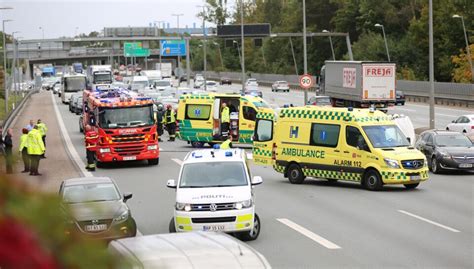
431, 66
332, 48
242, 61
42, 31
204, 45
220, 54
179, 56
384, 38
5, 64
468, 49
13, 72
305, 50
238, 51
159, 34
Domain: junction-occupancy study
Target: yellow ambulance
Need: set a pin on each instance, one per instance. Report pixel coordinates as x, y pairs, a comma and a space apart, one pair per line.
358, 145
199, 117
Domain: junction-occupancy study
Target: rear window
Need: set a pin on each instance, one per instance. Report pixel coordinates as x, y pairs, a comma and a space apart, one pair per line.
198, 112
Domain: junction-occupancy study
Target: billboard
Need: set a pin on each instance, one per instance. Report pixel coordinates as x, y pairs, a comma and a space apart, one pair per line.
173, 48
250, 30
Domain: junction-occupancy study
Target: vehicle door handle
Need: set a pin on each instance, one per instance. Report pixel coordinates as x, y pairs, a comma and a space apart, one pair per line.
337, 150
345, 151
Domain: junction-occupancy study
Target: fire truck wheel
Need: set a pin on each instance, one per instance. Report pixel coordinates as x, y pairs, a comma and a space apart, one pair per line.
154, 161
99, 164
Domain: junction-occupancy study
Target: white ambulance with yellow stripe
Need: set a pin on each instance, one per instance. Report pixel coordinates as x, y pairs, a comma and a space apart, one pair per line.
215, 193
359, 145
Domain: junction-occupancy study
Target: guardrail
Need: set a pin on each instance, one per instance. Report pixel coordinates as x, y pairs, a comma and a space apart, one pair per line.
454, 94
12, 115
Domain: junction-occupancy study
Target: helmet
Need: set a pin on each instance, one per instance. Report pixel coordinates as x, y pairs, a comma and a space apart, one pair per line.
168, 106
160, 106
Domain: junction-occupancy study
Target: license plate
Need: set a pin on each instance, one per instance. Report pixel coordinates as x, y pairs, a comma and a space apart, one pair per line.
213, 228
96, 228
415, 177
465, 165
129, 158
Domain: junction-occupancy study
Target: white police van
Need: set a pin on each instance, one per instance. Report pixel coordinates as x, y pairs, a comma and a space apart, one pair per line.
214, 193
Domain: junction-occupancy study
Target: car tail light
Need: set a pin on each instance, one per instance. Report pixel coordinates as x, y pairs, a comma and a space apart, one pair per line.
472, 127
274, 149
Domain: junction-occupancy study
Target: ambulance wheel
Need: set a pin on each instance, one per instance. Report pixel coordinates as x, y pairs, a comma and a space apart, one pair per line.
252, 234
197, 144
372, 180
295, 175
154, 161
172, 228
411, 186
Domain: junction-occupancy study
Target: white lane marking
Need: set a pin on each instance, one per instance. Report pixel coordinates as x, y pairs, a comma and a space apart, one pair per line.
429, 221
447, 115
178, 161
70, 147
405, 109
318, 239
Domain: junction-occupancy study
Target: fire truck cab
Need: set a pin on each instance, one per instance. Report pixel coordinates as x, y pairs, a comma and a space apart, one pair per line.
125, 124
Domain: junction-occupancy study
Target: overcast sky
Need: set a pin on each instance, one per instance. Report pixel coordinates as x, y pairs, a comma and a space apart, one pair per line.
61, 17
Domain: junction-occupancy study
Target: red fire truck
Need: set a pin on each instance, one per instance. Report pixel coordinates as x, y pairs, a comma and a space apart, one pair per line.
125, 123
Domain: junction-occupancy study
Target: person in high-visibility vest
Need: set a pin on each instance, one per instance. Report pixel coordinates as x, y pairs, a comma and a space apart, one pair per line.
225, 121
91, 140
169, 120
36, 149
227, 144
43, 130
23, 149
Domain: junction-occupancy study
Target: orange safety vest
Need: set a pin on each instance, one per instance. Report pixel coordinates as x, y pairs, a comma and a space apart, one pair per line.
91, 140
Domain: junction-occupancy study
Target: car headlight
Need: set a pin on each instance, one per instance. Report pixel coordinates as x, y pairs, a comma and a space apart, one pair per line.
183, 207
445, 155
425, 162
122, 216
104, 150
153, 147
391, 163
243, 204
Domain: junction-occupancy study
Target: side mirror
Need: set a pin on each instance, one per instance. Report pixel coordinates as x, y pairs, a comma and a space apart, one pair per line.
257, 180
127, 196
171, 183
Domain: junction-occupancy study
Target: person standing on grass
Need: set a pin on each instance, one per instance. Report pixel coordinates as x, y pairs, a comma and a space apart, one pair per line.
8, 143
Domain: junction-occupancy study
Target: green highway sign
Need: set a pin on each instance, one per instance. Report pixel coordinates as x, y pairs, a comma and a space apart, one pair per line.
135, 49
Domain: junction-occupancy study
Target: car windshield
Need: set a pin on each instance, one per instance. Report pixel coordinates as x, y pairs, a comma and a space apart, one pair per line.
323, 101
143, 83
386, 136
261, 104
213, 174
452, 140
162, 83
105, 78
126, 117
211, 83
75, 84
85, 193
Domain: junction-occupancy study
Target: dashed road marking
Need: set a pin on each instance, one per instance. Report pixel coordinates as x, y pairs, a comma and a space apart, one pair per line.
318, 239
68, 143
178, 161
429, 221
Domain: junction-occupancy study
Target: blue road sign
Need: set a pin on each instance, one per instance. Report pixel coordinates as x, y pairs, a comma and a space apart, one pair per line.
173, 48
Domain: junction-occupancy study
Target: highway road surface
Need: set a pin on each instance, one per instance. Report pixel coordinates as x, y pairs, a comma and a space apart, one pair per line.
319, 224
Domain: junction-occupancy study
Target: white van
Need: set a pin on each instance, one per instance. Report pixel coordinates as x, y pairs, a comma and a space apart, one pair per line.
215, 193
139, 83
185, 250
71, 84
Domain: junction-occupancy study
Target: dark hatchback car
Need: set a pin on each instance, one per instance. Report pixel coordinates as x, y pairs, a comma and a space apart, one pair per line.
400, 98
94, 207
226, 80
445, 150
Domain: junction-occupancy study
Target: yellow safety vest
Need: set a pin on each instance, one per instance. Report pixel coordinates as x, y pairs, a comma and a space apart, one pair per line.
42, 128
23, 142
35, 143
226, 144
169, 117
225, 115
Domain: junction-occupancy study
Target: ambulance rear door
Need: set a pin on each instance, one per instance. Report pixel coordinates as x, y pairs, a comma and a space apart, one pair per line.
263, 139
